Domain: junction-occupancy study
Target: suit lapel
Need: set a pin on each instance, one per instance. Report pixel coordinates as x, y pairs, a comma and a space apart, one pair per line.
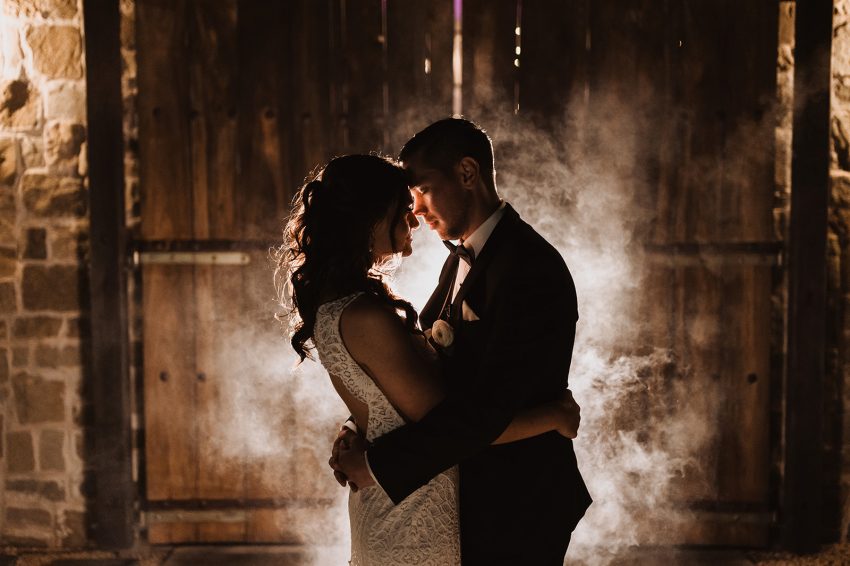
433, 308
491, 248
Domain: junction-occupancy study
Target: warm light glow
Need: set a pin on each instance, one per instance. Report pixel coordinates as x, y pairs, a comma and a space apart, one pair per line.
518, 49
457, 60
516, 62
427, 66
517, 31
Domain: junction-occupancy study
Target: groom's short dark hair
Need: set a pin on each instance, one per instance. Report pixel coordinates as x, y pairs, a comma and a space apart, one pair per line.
445, 142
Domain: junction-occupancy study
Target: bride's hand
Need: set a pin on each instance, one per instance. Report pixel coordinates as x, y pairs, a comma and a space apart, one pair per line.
425, 348
567, 415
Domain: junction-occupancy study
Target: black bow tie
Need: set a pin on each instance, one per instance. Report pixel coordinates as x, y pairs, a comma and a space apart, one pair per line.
461, 251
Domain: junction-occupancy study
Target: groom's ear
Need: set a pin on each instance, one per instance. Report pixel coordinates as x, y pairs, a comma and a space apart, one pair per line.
468, 172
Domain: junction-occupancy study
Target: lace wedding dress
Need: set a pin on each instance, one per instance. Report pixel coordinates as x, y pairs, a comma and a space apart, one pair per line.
423, 529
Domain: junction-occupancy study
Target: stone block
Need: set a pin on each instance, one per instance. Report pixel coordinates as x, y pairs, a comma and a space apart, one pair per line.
68, 244
51, 450
8, 161
20, 105
38, 400
8, 261
50, 490
66, 101
32, 151
8, 301
20, 457
4, 368
51, 287
61, 9
63, 144
20, 356
75, 531
36, 247
8, 214
11, 55
57, 51
79, 445
20, 517
25, 542
36, 327
4, 330
49, 196
52, 356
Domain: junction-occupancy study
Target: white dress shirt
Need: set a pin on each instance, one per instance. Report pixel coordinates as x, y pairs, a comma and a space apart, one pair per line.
476, 242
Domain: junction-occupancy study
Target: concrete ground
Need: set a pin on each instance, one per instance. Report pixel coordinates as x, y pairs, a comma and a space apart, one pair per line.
837, 555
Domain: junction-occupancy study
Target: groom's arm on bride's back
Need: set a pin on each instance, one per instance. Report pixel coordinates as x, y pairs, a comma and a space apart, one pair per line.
526, 359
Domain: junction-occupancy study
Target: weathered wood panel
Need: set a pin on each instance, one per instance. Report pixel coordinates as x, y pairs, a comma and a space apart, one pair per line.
419, 53
167, 213
714, 186
489, 74
553, 71
212, 68
248, 113
265, 167
362, 48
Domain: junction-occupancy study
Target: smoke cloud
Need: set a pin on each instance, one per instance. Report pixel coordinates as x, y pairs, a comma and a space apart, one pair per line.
646, 426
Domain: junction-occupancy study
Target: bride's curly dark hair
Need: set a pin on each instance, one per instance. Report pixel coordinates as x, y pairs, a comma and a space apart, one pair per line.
327, 249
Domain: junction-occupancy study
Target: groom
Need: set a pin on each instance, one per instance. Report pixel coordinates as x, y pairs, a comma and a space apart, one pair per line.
511, 302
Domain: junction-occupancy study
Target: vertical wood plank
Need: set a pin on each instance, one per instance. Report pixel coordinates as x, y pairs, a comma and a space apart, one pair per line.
163, 120
170, 426
213, 71
419, 52
167, 213
489, 74
553, 70
265, 84
362, 44
310, 100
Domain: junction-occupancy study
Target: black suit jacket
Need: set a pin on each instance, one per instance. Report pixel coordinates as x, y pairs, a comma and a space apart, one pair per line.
514, 497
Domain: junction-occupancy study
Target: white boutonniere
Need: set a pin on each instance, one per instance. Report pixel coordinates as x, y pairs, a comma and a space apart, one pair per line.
441, 333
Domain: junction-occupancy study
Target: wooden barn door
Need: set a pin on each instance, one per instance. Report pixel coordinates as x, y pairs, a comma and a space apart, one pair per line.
693, 85
238, 100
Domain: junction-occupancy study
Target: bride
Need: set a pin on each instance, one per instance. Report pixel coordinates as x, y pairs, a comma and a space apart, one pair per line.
347, 223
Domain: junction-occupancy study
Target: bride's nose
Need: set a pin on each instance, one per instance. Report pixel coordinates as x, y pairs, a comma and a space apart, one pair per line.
412, 221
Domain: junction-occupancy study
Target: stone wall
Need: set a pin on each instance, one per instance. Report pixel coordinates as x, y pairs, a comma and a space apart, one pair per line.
43, 268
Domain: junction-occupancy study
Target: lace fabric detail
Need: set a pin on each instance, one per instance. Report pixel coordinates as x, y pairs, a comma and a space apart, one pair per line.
423, 529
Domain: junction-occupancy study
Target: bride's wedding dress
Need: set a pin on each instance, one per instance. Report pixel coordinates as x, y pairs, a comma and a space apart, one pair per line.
423, 529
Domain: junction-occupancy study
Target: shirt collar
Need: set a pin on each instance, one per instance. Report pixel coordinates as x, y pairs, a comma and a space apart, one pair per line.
479, 237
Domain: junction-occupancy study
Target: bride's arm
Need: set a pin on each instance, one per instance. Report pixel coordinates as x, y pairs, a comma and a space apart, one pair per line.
378, 341
563, 416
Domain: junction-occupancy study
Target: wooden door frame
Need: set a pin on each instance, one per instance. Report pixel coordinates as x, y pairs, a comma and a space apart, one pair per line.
112, 516
807, 280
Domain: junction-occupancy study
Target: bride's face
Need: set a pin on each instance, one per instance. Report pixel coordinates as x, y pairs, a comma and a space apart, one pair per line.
388, 240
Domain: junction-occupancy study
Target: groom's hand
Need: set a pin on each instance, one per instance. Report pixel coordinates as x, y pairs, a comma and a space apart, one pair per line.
351, 461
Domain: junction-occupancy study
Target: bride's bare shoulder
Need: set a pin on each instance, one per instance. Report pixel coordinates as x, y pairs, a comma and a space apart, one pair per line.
367, 322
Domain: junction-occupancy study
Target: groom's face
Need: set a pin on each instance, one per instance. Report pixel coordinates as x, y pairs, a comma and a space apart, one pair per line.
439, 199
